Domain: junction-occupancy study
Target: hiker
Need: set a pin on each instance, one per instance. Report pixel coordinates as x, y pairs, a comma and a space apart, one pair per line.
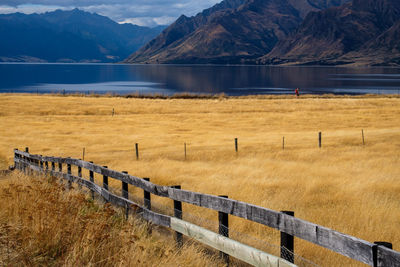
297, 92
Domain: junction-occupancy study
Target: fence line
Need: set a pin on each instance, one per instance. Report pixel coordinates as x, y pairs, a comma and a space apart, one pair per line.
352, 247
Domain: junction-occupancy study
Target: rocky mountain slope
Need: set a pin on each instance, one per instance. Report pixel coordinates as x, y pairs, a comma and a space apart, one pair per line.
69, 36
363, 32
234, 31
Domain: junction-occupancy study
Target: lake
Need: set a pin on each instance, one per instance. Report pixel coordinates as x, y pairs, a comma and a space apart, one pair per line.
209, 79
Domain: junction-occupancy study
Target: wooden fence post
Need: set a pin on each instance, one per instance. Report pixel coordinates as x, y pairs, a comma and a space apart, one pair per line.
137, 151
26, 169
125, 194
236, 145
32, 162
20, 164
223, 229
320, 139
80, 176
53, 167
69, 171
46, 164
105, 180
185, 150
287, 243
59, 167
16, 165
16, 158
147, 203
363, 140
83, 154
41, 164
147, 197
91, 177
178, 214
376, 256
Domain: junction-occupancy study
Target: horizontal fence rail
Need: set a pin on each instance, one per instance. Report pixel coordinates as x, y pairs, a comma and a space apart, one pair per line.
346, 245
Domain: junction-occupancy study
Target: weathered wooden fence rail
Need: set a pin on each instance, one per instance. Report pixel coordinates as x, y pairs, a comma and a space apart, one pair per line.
369, 253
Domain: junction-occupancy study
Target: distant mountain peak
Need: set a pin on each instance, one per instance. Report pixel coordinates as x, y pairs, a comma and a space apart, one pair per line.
69, 36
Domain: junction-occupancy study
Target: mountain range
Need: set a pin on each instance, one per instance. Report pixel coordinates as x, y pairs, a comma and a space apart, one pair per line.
314, 32
69, 36
362, 32
282, 32
234, 31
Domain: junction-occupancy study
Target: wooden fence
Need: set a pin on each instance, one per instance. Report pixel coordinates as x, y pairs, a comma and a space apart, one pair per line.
373, 254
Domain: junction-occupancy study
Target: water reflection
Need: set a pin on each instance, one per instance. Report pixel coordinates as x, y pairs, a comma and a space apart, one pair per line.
169, 79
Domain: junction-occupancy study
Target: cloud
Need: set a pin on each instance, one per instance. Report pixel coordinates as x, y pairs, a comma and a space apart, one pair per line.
141, 12
29, 9
150, 21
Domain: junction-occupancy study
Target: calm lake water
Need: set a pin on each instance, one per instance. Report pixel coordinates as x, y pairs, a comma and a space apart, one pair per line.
211, 79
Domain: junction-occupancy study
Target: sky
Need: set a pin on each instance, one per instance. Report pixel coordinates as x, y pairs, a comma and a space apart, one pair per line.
140, 12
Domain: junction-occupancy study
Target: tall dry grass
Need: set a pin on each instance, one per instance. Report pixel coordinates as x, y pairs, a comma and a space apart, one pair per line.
345, 186
41, 224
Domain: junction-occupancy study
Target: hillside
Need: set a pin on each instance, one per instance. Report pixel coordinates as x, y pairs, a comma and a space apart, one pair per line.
361, 32
69, 36
230, 32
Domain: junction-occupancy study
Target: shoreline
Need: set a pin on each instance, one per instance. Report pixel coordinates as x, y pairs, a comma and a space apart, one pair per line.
193, 96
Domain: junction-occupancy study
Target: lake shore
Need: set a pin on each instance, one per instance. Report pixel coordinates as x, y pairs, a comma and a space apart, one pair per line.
350, 184
208, 96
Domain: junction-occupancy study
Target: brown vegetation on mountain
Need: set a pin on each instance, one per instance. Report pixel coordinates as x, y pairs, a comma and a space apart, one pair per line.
312, 32
231, 32
360, 32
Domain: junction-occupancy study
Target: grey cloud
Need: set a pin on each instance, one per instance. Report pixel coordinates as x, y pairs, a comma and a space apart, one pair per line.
85, 3
145, 12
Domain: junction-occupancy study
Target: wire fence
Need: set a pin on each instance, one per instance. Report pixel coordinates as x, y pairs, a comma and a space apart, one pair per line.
244, 146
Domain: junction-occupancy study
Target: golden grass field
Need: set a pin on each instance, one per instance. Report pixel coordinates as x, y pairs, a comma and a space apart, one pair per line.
41, 224
344, 185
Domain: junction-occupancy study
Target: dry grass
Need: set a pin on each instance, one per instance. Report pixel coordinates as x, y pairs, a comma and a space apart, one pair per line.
41, 224
344, 186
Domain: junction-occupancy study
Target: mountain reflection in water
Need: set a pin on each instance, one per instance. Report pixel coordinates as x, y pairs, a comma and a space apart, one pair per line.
209, 79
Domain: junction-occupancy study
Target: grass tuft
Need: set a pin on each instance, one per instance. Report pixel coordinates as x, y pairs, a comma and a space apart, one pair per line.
43, 224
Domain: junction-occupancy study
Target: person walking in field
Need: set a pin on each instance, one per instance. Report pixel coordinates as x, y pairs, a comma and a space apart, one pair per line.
297, 92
